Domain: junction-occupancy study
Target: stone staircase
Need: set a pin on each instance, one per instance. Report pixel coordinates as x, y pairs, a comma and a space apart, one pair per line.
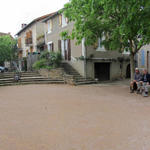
78, 79
7, 78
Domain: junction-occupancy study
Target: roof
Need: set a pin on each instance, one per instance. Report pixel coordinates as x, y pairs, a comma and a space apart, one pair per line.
49, 17
34, 21
54, 14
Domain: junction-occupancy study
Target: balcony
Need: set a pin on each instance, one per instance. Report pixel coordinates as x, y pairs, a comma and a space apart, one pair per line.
40, 42
28, 41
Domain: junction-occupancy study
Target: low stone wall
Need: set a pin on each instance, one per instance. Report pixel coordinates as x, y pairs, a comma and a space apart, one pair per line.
57, 73
69, 79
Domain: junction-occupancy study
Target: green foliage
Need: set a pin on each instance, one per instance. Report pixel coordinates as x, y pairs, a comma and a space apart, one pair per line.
124, 23
65, 35
7, 48
42, 63
48, 60
44, 55
40, 37
55, 59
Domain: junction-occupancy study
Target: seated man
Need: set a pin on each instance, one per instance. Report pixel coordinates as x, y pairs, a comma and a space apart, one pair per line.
145, 83
135, 84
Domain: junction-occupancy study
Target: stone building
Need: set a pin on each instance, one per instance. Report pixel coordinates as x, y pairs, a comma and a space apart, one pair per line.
143, 58
92, 61
30, 40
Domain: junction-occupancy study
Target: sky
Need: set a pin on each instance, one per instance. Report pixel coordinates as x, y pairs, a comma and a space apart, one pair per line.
15, 12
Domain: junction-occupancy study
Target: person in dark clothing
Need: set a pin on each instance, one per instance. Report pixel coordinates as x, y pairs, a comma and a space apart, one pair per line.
134, 85
145, 83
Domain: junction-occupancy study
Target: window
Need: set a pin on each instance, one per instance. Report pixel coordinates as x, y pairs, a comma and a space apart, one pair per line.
50, 26
50, 46
63, 21
64, 45
99, 46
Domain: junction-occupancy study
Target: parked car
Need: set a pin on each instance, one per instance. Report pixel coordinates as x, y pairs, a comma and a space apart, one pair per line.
5, 69
2, 69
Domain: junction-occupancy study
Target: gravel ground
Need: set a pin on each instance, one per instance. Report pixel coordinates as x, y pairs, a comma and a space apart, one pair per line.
63, 117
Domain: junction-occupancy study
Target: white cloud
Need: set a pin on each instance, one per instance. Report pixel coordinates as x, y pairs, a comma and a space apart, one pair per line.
15, 12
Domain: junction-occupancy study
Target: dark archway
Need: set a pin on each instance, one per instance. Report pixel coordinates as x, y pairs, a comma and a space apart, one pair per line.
128, 71
102, 71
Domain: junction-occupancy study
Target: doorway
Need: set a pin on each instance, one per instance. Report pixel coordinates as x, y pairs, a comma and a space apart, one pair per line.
128, 72
66, 49
102, 71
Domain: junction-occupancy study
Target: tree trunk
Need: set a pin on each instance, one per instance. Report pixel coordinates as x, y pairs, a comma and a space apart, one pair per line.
132, 65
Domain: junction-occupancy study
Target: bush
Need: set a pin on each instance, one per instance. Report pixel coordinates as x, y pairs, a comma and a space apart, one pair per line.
55, 59
45, 55
42, 63
48, 60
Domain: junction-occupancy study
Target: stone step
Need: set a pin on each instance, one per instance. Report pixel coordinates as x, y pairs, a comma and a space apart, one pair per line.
79, 80
29, 80
85, 82
39, 82
6, 77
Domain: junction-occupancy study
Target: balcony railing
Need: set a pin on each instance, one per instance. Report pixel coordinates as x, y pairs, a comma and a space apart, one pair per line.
28, 41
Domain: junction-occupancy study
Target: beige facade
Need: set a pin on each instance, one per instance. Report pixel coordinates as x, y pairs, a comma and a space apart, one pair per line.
53, 37
31, 36
99, 62
37, 29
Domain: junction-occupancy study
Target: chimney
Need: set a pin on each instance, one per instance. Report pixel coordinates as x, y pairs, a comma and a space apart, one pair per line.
23, 25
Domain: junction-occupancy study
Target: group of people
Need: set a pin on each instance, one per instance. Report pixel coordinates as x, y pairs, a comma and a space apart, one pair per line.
141, 82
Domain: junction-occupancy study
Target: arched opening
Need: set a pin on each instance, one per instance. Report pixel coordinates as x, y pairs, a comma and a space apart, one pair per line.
128, 71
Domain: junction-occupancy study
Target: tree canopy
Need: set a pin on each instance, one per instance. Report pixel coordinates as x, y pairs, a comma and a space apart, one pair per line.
7, 48
125, 24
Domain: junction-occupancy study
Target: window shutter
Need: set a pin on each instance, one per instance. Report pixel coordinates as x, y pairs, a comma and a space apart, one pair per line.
52, 47
69, 49
19, 43
59, 45
60, 19
51, 25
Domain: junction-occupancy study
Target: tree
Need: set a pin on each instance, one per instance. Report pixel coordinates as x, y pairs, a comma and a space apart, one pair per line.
125, 24
7, 48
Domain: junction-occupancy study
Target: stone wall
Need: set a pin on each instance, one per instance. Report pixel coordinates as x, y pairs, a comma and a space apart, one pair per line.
57, 73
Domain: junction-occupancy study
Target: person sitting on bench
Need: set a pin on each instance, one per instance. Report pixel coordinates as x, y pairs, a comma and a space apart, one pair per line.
145, 83
135, 84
